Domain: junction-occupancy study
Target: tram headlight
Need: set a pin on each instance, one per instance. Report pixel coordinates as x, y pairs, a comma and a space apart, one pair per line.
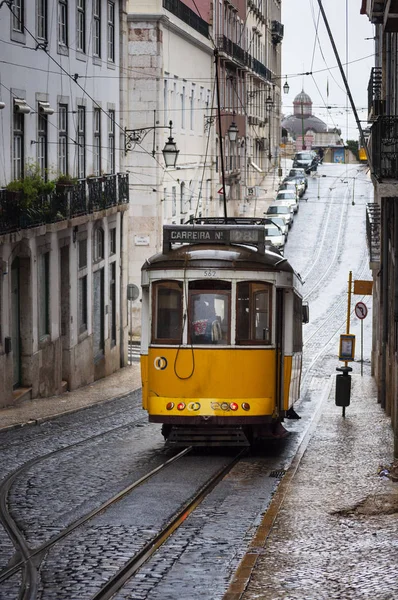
180, 406
170, 406
225, 406
246, 406
233, 406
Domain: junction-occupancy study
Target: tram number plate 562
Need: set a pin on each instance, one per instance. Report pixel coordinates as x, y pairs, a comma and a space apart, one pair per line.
210, 273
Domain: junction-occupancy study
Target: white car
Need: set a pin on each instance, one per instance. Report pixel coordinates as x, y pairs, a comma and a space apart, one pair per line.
281, 223
281, 210
274, 235
287, 196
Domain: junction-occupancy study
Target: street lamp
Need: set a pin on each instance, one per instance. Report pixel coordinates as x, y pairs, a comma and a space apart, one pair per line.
286, 87
268, 105
135, 136
233, 132
170, 151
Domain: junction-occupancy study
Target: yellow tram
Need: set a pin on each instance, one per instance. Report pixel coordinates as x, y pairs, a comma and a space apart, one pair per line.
221, 346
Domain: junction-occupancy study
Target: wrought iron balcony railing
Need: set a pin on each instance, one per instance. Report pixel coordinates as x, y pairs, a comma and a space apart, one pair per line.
384, 148
375, 101
66, 202
186, 14
277, 30
373, 231
239, 55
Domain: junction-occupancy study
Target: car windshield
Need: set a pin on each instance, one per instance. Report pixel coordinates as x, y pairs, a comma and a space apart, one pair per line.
304, 156
295, 172
271, 231
286, 194
278, 210
278, 221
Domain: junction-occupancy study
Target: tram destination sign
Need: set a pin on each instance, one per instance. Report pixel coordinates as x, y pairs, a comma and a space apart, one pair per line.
213, 234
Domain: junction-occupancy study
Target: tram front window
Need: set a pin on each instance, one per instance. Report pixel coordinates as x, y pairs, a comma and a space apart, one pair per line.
209, 314
167, 317
253, 313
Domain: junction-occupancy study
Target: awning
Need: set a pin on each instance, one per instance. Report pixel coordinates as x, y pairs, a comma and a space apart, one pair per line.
45, 108
21, 106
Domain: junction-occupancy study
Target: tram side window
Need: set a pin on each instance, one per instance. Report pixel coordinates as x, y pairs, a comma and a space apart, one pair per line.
209, 312
297, 324
167, 312
253, 313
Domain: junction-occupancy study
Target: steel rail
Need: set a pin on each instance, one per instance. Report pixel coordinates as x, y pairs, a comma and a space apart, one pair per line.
134, 564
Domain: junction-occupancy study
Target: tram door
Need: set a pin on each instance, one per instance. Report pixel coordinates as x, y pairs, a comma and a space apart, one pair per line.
280, 351
16, 324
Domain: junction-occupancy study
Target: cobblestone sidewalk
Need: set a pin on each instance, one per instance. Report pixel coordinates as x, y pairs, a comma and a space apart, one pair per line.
116, 385
335, 534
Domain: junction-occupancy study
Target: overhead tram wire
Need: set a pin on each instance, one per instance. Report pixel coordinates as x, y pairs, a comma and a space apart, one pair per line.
354, 110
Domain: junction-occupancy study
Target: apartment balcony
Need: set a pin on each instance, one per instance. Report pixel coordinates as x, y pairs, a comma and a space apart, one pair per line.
382, 12
375, 101
384, 148
373, 233
66, 202
186, 14
276, 32
231, 50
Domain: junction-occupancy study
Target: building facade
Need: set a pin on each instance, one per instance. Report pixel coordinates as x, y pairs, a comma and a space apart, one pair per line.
63, 234
229, 77
382, 215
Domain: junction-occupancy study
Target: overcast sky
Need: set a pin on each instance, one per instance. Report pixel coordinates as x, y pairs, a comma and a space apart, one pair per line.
301, 52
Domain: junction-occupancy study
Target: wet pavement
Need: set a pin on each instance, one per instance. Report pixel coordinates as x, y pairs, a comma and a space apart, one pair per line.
331, 531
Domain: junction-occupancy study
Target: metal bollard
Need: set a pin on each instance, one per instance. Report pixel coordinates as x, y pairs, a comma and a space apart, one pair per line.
343, 388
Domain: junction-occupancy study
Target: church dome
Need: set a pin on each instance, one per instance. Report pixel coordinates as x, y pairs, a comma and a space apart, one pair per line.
302, 117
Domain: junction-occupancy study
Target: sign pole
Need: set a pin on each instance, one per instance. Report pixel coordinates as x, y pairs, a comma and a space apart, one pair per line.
361, 347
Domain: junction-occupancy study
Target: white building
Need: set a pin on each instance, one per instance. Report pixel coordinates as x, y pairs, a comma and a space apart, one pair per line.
62, 254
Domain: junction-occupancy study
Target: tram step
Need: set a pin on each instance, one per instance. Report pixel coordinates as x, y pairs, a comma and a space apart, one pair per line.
207, 436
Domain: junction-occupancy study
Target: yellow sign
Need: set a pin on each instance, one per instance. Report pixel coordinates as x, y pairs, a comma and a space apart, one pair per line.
362, 287
362, 154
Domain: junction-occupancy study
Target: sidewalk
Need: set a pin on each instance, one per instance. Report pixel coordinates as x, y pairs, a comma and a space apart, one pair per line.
331, 531
118, 384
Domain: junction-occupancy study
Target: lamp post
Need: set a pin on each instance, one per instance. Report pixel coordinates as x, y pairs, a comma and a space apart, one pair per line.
268, 104
132, 137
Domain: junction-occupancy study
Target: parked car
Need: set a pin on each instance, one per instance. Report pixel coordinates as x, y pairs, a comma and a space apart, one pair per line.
281, 223
300, 173
288, 196
274, 235
281, 210
307, 160
292, 185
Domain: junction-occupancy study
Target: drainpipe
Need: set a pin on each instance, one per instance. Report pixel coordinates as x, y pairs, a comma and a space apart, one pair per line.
395, 408
383, 389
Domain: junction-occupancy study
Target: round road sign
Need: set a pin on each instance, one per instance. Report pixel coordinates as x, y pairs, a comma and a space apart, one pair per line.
361, 310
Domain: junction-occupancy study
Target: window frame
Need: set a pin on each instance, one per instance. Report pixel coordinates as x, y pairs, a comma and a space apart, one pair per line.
63, 23
111, 22
81, 26
111, 142
97, 141
210, 289
18, 145
97, 28
42, 19
251, 341
63, 150
18, 16
43, 276
81, 141
42, 144
166, 284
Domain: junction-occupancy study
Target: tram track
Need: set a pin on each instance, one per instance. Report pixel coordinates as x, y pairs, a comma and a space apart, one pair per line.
30, 560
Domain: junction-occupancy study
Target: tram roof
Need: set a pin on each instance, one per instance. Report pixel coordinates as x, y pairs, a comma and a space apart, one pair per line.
218, 246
